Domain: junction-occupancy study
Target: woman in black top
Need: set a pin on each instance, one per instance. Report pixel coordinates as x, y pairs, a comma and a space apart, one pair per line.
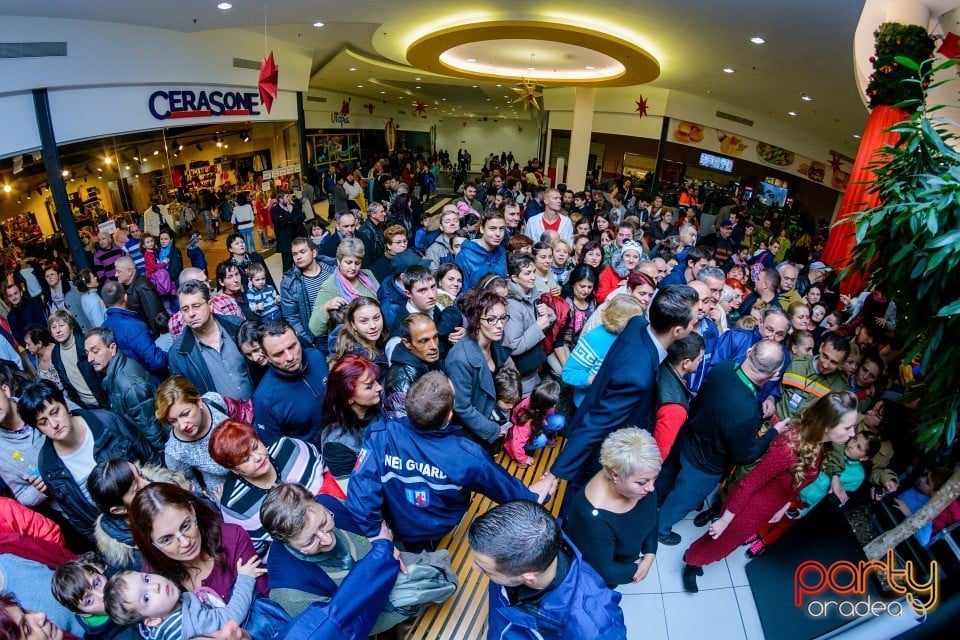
613, 521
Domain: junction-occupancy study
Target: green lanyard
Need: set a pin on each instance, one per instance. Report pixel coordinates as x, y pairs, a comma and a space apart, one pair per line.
745, 380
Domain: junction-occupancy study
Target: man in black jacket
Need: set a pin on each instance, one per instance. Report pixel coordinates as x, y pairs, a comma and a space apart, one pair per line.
371, 233
130, 387
142, 298
418, 353
724, 429
65, 460
24, 311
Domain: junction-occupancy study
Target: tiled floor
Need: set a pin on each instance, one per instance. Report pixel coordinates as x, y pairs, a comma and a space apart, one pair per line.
659, 607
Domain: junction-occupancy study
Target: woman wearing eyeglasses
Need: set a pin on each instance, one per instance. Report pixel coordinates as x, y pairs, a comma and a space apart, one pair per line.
473, 360
183, 539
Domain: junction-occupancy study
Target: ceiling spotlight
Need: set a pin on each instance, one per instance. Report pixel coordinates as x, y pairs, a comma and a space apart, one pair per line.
353, 68
7, 188
757, 40
728, 69
126, 167
417, 79
806, 98
589, 67
226, 146
199, 148
245, 137
65, 173
107, 160
318, 24
791, 113
474, 86
223, 6
19, 200
417, 87
359, 86
471, 59
100, 169
383, 92
136, 153
177, 146
857, 136
176, 153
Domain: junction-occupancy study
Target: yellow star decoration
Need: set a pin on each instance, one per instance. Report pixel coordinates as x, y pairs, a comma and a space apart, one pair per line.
527, 94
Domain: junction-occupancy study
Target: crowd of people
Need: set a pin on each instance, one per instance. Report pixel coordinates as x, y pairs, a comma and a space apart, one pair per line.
250, 459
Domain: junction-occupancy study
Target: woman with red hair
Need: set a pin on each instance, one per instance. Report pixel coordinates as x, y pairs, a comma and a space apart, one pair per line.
255, 469
350, 403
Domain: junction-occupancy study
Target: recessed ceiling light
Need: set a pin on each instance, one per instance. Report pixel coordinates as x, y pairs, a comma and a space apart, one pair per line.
806, 98
857, 136
417, 79
359, 86
318, 24
223, 6
589, 67
353, 68
383, 92
757, 40
417, 87
488, 99
499, 85
728, 69
791, 113
444, 99
531, 68
474, 86
471, 59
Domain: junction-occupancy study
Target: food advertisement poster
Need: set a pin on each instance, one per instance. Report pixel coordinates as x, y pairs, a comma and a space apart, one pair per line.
832, 171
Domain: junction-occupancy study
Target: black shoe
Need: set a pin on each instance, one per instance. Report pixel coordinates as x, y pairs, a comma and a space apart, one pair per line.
704, 517
690, 574
672, 539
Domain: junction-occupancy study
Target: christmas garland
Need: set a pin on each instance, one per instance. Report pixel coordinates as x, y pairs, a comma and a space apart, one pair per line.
887, 86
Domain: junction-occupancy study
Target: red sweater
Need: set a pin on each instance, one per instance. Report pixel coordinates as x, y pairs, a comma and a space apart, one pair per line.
609, 280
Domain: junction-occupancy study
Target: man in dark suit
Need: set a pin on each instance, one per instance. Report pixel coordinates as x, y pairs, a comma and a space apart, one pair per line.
624, 392
346, 228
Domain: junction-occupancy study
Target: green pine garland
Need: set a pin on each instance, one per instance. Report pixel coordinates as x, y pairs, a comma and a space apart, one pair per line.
887, 86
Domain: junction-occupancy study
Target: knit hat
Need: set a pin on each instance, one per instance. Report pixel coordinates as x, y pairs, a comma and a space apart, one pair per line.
632, 245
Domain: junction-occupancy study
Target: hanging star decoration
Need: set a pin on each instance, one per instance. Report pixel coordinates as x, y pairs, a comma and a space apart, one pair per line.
267, 82
345, 107
484, 119
420, 109
641, 106
369, 107
527, 94
835, 162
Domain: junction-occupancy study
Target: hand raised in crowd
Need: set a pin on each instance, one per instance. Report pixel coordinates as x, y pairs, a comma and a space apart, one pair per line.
334, 303
769, 407
252, 567
544, 487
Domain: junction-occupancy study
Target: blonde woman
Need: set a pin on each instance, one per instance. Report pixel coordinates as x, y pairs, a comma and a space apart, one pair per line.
348, 282
773, 486
613, 521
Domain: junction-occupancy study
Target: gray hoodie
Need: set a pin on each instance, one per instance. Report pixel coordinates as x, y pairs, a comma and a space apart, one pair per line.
18, 456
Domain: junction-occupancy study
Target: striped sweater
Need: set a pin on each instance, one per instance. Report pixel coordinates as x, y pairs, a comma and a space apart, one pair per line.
294, 461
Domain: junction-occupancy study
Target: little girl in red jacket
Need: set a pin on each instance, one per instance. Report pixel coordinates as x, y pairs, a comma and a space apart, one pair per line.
534, 422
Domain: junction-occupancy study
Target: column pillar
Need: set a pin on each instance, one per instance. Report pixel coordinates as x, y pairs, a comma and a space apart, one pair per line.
580, 138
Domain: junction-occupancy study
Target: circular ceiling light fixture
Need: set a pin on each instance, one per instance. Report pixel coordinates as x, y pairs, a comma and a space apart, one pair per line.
318, 24
728, 70
223, 6
757, 40
574, 54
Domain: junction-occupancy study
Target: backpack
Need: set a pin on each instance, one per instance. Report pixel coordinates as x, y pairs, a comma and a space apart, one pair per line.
429, 578
162, 283
241, 410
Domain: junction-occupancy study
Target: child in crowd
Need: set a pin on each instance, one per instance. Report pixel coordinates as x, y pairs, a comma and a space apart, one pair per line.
535, 422
800, 343
456, 242
318, 233
508, 385
852, 363
915, 497
818, 311
561, 266
165, 612
79, 585
148, 246
195, 253
262, 297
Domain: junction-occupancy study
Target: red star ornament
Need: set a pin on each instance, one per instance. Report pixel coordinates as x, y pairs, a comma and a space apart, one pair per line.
835, 162
641, 106
369, 107
419, 108
267, 82
345, 107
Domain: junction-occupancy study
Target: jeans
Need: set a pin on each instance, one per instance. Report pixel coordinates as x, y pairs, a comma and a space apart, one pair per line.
248, 239
680, 488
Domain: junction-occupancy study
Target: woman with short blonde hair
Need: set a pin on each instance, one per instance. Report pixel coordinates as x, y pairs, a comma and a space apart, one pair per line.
613, 521
347, 283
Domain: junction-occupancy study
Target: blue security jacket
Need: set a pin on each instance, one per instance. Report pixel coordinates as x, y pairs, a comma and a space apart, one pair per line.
353, 610
475, 261
579, 607
423, 478
734, 344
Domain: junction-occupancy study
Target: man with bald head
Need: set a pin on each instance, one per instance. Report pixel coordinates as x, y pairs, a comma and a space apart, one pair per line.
720, 433
142, 298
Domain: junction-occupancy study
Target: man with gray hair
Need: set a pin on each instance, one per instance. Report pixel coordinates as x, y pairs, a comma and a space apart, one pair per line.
721, 432
787, 293
130, 388
142, 298
346, 228
371, 233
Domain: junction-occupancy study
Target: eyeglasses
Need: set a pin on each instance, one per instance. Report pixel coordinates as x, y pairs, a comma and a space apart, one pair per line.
186, 527
495, 320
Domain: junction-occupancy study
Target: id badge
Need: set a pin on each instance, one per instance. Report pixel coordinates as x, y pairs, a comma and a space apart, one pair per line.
795, 400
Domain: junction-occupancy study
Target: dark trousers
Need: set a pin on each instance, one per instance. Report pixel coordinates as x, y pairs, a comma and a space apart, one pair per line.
680, 487
287, 261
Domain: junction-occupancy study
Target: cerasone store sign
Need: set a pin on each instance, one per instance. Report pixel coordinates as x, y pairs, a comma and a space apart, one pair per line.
170, 104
